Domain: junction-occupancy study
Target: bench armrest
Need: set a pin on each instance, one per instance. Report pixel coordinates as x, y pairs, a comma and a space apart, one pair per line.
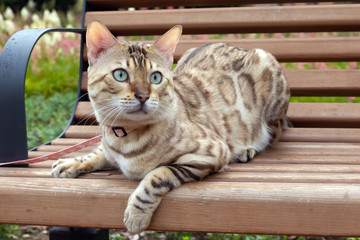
13, 65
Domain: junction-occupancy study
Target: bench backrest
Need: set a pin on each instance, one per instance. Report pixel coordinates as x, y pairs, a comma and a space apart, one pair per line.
297, 33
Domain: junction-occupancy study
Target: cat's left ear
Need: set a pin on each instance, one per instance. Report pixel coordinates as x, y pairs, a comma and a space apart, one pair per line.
166, 45
98, 39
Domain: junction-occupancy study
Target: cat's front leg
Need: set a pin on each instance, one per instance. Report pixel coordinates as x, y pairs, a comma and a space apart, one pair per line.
72, 167
156, 184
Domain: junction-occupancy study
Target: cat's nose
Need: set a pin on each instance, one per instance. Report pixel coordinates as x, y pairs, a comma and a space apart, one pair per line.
142, 97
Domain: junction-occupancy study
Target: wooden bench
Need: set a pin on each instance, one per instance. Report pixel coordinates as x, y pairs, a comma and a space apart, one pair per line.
306, 184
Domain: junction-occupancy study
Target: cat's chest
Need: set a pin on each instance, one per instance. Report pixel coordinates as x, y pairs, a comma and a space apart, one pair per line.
130, 161
133, 168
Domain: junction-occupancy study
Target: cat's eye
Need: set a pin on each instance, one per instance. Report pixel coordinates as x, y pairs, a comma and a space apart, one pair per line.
120, 75
156, 78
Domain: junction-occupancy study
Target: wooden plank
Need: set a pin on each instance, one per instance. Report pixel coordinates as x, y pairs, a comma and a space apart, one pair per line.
286, 177
313, 149
271, 208
320, 49
290, 135
66, 141
324, 82
301, 114
115, 4
83, 132
46, 173
311, 82
321, 135
325, 114
54, 148
34, 154
325, 49
320, 18
294, 173
260, 167
259, 159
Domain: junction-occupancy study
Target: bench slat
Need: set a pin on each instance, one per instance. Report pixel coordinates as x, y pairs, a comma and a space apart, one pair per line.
284, 173
312, 82
300, 149
318, 18
301, 114
279, 208
260, 159
290, 135
325, 49
115, 4
320, 49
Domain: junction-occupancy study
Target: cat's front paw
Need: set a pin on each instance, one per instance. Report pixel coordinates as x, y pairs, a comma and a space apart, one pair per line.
136, 219
65, 168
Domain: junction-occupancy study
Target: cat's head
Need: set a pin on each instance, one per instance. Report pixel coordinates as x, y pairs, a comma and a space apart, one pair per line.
130, 83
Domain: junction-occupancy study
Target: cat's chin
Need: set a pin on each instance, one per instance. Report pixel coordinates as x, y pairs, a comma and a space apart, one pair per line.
140, 112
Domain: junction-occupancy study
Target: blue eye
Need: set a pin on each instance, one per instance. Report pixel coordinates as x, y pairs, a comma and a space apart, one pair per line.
120, 75
156, 78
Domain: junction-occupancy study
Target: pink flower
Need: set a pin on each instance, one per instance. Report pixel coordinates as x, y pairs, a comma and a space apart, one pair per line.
299, 65
279, 35
353, 65
351, 99
203, 37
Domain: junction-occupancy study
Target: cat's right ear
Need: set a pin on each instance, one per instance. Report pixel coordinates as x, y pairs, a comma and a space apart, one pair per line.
167, 43
98, 40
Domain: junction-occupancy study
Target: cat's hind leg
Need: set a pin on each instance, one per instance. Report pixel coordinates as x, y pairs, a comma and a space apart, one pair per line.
246, 155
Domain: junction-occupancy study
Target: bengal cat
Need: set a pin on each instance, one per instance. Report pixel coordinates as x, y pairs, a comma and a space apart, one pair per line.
221, 104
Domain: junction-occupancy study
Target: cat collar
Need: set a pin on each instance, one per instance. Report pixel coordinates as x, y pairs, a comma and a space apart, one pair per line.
122, 131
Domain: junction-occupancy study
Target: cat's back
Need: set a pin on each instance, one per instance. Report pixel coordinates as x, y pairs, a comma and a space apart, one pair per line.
225, 76
210, 57
228, 89
205, 74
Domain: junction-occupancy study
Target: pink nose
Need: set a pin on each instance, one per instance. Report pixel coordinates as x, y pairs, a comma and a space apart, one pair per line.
142, 97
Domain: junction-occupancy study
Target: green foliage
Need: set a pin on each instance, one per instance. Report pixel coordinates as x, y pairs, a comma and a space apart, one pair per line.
46, 118
50, 75
9, 232
14, 4
180, 236
116, 237
325, 99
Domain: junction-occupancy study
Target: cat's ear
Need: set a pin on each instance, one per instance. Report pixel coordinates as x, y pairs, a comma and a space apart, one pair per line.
167, 43
98, 40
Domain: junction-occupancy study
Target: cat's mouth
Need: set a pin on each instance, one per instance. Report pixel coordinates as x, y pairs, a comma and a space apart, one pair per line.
137, 112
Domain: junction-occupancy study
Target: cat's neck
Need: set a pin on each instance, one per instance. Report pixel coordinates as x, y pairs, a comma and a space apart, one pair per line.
138, 128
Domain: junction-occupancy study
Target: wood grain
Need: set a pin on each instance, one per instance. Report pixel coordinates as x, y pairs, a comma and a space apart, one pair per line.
115, 4
246, 207
232, 20
301, 114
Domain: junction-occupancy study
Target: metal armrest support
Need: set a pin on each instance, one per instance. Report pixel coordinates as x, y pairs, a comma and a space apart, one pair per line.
13, 64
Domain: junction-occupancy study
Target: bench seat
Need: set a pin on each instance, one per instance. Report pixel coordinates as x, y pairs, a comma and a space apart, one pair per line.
308, 183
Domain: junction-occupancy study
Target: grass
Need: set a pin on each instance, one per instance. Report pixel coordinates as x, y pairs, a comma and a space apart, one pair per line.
9, 232
47, 117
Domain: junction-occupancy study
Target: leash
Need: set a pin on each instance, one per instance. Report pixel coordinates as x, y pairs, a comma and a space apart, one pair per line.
118, 131
58, 154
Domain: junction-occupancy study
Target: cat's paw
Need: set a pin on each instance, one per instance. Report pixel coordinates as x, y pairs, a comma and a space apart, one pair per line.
246, 155
136, 219
65, 168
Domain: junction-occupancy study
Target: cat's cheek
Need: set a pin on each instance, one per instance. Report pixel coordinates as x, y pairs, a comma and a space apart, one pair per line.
151, 107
